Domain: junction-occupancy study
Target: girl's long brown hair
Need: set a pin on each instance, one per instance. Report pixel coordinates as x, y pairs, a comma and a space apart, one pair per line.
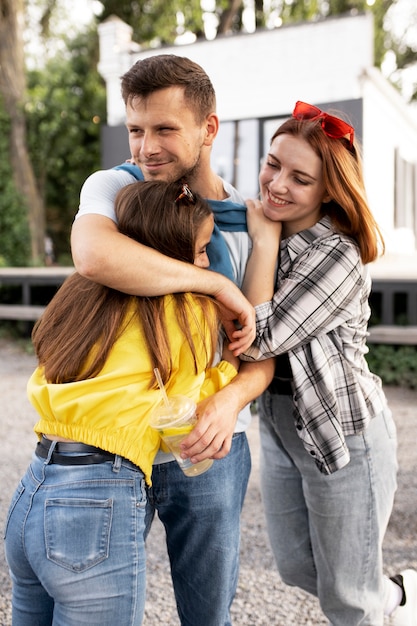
79, 327
343, 178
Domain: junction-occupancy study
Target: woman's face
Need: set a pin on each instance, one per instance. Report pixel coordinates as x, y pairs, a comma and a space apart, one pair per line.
291, 183
202, 241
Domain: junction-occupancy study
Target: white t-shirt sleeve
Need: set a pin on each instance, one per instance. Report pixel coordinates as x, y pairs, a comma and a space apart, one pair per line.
99, 192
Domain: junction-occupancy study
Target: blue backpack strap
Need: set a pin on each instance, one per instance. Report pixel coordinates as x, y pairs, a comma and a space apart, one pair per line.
132, 168
229, 216
218, 254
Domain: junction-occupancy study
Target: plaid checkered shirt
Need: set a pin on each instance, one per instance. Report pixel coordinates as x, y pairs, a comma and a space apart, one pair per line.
319, 316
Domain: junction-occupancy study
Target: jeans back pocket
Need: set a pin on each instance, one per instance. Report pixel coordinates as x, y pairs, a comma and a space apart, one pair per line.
77, 531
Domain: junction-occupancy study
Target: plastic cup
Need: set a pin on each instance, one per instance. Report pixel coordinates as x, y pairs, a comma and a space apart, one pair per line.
174, 422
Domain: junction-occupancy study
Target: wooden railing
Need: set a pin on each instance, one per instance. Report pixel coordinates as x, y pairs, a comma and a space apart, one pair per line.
394, 305
392, 299
26, 278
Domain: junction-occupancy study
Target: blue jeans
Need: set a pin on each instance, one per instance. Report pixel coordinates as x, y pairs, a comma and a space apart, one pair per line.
74, 544
326, 531
201, 516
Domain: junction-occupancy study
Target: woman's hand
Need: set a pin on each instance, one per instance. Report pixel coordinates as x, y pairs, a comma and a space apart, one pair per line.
259, 281
262, 230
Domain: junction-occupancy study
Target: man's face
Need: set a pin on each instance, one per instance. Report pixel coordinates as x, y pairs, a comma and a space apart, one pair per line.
164, 137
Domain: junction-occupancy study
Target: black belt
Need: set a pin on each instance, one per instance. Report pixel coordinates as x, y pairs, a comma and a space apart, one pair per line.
89, 455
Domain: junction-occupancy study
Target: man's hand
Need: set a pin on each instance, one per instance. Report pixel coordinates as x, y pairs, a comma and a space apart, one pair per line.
236, 312
211, 438
217, 414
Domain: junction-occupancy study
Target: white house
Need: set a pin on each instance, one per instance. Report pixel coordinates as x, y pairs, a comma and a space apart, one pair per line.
258, 77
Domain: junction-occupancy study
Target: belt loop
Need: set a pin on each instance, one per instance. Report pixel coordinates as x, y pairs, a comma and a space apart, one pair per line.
117, 463
50, 452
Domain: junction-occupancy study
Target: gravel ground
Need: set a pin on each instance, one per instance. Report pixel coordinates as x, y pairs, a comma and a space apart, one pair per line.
261, 600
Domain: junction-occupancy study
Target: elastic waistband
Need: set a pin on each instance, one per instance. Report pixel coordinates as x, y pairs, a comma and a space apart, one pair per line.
87, 455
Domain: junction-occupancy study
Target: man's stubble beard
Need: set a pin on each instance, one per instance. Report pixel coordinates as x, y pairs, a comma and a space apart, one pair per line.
190, 175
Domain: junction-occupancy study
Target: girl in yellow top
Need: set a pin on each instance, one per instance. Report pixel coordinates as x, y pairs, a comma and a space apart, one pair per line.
74, 540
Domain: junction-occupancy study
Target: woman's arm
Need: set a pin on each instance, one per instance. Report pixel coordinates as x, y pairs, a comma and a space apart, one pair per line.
259, 280
212, 437
258, 284
320, 292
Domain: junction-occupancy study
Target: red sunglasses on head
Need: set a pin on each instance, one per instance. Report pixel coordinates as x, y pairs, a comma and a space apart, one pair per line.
334, 127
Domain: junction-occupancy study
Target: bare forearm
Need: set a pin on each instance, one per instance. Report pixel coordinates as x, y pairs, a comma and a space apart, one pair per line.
258, 284
252, 380
104, 255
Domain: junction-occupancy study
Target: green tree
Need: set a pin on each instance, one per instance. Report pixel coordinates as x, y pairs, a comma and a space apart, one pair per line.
155, 22
50, 133
13, 94
66, 106
15, 237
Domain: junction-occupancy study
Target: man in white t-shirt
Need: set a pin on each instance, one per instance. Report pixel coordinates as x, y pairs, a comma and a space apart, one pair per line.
172, 123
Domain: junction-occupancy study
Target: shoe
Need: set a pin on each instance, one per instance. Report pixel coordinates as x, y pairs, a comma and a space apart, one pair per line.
406, 614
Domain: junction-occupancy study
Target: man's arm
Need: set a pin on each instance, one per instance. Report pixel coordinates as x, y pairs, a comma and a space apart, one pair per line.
217, 415
104, 255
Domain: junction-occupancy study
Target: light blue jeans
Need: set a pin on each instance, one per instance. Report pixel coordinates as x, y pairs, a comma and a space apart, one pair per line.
201, 516
326, 531
74, 544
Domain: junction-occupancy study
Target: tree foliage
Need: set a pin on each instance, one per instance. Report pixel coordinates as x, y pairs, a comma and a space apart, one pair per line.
155, 21
162, 21
15, 237
13, 92
65, 107
51, 130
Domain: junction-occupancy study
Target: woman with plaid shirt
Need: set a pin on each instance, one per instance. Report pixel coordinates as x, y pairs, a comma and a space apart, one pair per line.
328, 438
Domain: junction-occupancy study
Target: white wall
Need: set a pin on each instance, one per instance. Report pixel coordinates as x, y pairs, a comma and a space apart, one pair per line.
259, 74
387, 126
